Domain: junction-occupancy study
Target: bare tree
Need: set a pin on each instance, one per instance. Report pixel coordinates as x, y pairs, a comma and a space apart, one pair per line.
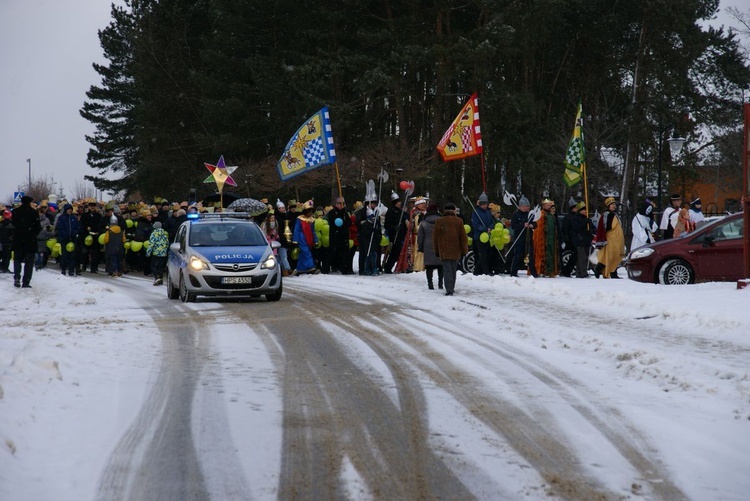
84, 189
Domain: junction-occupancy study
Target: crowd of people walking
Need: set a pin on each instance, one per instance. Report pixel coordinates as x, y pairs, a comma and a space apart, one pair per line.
408, 235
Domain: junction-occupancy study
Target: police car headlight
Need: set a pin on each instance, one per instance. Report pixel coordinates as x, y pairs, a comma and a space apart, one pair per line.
641, 253
198, 264
269, 263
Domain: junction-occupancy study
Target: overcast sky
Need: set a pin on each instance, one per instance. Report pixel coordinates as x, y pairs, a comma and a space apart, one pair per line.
47, 48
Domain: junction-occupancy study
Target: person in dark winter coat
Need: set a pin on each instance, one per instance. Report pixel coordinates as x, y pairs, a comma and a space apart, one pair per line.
360, 216
396, 226
25, 229
425, 245
91, 222
42, 250
449, 241
173, 223
67, 233
369, 242
6, 241
114, 248
522, 226
482, 221
566, 234
338, 248
582, 232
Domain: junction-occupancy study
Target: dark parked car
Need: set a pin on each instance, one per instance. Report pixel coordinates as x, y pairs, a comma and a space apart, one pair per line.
711, 253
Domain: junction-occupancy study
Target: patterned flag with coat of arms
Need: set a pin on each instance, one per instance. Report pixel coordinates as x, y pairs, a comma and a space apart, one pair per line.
310, 147
575, 158
464, 137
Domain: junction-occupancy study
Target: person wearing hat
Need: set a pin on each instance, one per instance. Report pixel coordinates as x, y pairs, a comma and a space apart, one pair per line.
417, 215
163, 214
139, 261
396, 226
610, 240
425, 245
368, 236
482, 221
25, 229
68, 228
450, 243
696, 212
643, 225
158, 247
306, 238
566, 235
522, 226
114, 247
582, 234
91, 222
286, 221
669, 217
339, 221
360, 219
547, 242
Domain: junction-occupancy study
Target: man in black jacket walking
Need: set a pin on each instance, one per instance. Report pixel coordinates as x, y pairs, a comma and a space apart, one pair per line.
25, 229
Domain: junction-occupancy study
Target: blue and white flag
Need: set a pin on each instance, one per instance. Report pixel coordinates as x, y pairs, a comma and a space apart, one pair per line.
310, 147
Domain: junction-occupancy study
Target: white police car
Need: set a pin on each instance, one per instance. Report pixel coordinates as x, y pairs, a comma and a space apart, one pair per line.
223, 254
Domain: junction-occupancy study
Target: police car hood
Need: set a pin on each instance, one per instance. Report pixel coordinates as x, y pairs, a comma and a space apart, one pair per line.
238, 254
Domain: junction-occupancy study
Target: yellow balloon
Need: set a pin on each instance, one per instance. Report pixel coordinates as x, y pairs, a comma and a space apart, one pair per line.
384, 241
484, 237
127, 245
136, 246
146, 244
471, 241
351, 243
51, 243
467, 228
57, 249
499, 226
295, 253
325, 240
89, 240
70, 247
101, 238
129, 223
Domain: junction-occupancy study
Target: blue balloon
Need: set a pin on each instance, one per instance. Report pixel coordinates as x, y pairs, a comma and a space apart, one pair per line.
338, 221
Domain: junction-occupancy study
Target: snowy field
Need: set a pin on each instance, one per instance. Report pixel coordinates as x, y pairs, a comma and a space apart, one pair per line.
78, 356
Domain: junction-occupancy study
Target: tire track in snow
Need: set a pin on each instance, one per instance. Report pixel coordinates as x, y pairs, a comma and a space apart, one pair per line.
545, 450
157, 457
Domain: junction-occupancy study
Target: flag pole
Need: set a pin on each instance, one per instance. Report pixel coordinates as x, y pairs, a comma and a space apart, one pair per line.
338, 177
583, 168
484, 178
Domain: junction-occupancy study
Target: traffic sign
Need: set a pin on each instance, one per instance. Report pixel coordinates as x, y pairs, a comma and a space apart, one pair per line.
17, 195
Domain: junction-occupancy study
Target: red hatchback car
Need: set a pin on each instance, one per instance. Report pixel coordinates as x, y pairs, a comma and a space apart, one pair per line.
712, 253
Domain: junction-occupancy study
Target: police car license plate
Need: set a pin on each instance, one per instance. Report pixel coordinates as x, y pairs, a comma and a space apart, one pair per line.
237, 280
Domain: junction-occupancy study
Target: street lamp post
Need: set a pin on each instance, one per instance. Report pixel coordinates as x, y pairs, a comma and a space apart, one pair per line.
675, 146
28, 160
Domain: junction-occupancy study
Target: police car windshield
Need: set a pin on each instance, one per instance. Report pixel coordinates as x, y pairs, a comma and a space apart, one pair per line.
226, 234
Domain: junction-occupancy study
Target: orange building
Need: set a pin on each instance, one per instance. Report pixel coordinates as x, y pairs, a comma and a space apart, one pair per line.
718, 187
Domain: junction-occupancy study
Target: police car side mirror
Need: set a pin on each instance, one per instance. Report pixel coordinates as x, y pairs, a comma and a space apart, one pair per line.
275, 244
175, 247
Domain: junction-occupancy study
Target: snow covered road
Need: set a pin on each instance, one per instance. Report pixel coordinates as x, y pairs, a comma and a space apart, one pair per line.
376, 388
